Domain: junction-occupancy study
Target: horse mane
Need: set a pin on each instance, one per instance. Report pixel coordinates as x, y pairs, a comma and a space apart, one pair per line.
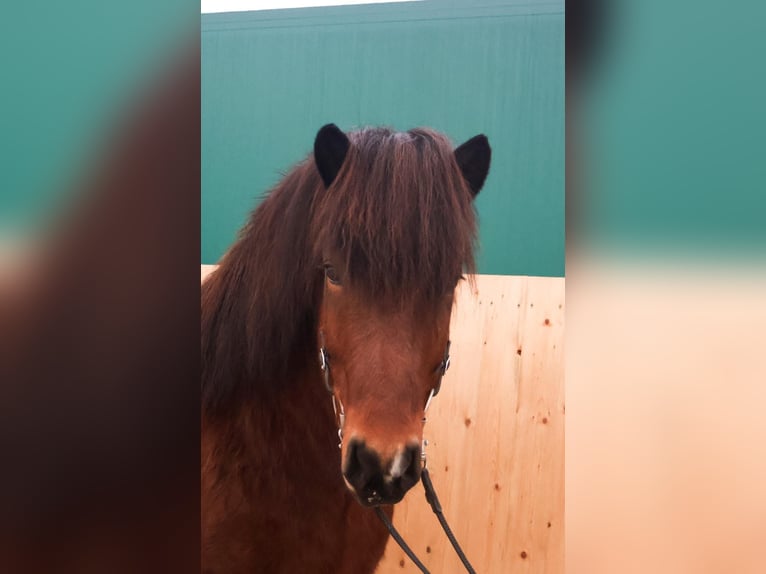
399, 217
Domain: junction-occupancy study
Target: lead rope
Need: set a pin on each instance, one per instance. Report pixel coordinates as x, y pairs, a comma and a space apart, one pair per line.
399, 540
433, 500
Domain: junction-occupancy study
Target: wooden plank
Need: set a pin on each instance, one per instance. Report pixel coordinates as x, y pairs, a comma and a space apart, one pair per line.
496, 433
207, 270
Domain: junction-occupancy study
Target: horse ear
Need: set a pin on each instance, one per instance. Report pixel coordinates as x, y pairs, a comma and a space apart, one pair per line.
473, 159
330, 148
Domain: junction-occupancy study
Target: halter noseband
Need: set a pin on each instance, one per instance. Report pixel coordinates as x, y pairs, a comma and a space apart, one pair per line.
337, 405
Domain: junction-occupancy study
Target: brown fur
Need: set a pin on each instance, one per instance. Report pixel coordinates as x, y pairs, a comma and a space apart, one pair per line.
398, 225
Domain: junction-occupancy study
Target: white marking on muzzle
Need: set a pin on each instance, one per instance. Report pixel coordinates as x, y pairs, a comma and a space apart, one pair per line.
399, 465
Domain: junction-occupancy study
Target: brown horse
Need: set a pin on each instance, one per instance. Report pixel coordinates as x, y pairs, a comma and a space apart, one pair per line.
356, 251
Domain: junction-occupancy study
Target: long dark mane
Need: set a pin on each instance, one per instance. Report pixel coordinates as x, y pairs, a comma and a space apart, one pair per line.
400, 217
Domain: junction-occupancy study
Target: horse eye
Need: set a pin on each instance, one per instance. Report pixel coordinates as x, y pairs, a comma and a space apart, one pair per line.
331, 274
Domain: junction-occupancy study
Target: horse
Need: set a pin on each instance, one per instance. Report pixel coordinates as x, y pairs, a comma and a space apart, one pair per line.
342, 280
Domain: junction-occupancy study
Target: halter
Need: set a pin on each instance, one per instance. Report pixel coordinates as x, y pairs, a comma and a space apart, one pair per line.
337, 405
441, 370
433, 500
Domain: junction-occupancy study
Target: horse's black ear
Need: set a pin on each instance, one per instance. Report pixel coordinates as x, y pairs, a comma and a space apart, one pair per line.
473, 158
330, 148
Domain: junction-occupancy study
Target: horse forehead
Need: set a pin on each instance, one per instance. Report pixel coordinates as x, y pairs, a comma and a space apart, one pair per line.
394, 318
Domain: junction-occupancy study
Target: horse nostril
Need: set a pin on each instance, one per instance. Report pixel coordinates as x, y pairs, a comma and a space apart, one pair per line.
411, 473
362, 465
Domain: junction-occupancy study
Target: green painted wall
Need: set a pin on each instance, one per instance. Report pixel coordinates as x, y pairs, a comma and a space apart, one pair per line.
271, 79
69, 73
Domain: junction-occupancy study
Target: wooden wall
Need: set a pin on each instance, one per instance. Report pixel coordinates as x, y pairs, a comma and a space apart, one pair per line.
496, 436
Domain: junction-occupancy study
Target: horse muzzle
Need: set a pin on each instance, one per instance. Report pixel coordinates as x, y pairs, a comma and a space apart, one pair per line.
375, 481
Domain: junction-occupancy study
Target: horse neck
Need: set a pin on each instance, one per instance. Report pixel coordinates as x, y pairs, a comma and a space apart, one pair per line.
283, 414
301, 413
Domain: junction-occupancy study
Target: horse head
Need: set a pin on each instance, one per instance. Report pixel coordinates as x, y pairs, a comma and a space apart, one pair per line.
393, 227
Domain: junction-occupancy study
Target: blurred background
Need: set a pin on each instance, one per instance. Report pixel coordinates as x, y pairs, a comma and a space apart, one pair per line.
70, 70
99, 230
666, 286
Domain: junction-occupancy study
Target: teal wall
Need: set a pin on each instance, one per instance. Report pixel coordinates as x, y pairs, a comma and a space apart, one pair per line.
270, 79
69, 73
676, 131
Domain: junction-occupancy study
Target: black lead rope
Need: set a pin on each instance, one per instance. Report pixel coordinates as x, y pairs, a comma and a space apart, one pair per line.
399, 540
433, 500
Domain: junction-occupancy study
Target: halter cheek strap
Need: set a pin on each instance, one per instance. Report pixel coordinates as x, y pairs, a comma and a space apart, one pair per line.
441, 370
337, 406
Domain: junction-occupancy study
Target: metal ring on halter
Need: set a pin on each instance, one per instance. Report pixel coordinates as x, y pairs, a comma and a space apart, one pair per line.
322, 359
324, 364
425, 440
442, 368
337, 405
340, 414
431, 395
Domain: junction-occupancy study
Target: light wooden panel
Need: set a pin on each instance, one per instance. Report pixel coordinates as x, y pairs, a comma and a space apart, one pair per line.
496, 436
207, 270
